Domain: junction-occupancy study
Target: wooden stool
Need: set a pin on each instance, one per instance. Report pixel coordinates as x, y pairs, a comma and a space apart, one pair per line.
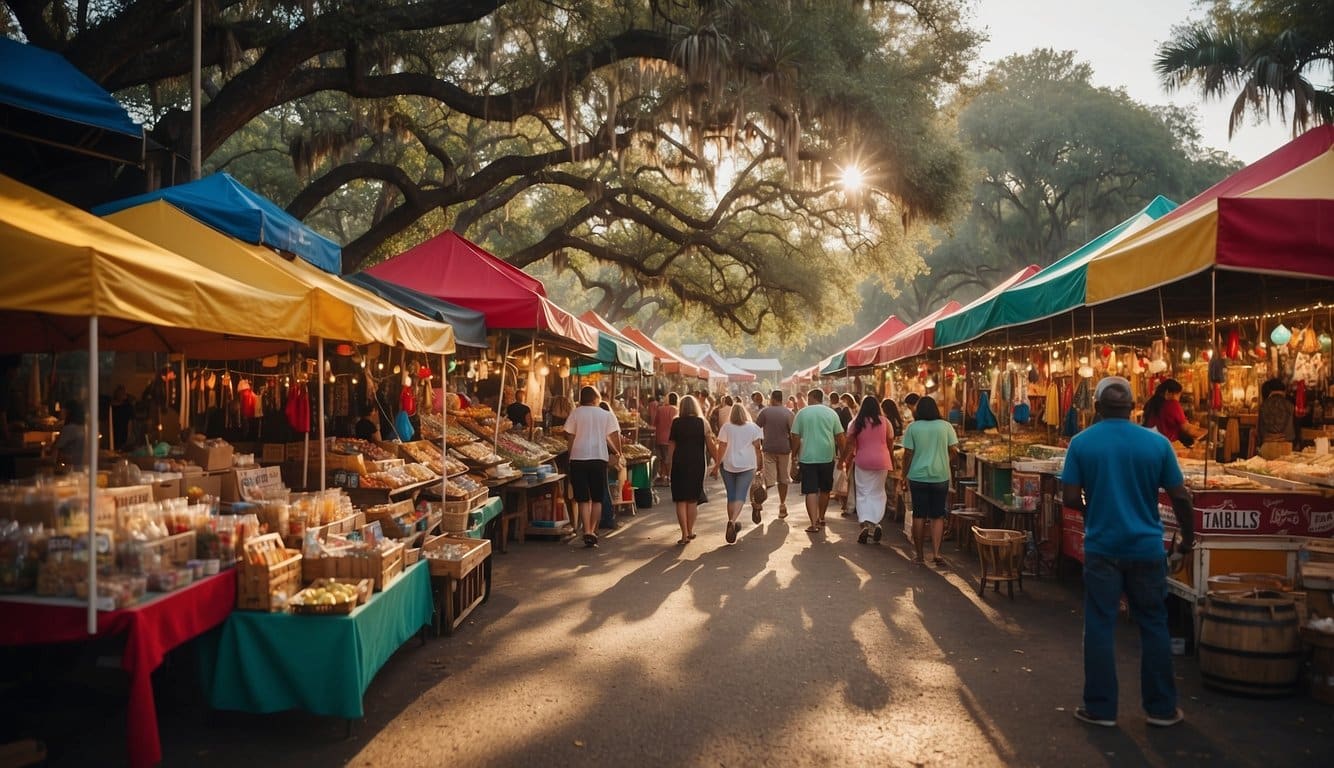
1001, 552
963, 521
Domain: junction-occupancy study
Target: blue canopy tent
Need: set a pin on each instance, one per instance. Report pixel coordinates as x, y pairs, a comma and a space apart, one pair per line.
469, 324
46, 100
227, 205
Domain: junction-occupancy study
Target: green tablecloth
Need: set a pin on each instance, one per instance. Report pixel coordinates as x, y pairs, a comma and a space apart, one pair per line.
484, 515
271, 662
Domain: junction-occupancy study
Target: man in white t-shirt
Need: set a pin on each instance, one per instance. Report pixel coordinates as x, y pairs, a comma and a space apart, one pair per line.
591, 430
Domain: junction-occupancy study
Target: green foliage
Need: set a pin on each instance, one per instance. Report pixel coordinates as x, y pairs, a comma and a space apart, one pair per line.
1273, 54
1056, 162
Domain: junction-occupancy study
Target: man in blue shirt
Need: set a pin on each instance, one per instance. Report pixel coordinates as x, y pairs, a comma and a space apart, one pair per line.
1112, 474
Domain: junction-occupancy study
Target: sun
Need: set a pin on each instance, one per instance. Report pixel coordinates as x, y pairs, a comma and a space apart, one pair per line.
852, 179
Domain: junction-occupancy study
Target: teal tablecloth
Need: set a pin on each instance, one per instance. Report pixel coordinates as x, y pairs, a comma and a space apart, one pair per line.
271, 662
484, 515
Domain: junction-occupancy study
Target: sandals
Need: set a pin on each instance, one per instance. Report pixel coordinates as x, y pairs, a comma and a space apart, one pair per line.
682, 542
691, 537
939, 562
782, 511
590, 540
812, 529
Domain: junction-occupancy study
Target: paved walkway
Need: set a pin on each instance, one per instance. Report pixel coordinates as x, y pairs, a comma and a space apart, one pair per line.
784, 649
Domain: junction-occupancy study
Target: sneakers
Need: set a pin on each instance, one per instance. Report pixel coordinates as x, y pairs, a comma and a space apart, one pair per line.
1083, 716
876, 534
731, 532
865, 534
1168, 721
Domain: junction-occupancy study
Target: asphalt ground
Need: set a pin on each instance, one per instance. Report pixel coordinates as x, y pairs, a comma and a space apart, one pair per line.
784, 649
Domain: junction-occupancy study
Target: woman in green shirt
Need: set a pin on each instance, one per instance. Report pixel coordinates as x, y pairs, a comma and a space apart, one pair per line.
929, 445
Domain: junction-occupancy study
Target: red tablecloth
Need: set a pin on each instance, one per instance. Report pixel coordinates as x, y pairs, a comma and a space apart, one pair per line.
150, 630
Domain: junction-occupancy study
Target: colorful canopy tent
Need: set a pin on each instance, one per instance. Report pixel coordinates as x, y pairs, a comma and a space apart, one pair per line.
45, 99
70, 280
62, 266
451, 268
227, 205
669, 362
338, 310
1056, 289
861, 352
1275, 216
469, 325
616, 350
916, 338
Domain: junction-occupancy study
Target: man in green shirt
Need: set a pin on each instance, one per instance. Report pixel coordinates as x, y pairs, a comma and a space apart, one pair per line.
817, 439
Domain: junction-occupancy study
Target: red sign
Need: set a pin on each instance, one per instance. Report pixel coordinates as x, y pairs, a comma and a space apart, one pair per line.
1072, 534
1259, 513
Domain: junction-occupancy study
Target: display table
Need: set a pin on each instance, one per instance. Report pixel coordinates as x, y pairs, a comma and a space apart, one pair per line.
271, 662
485, 515
519, 507
155, 626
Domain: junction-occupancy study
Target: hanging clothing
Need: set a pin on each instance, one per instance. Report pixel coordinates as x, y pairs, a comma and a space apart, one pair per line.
985, 418
298, 408
1051, 413
246, 398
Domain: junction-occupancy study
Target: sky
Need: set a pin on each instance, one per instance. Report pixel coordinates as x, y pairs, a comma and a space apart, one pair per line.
1119, 39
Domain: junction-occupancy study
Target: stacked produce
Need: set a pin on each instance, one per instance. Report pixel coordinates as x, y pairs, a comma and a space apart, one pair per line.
476, 454
635, 451
397, 477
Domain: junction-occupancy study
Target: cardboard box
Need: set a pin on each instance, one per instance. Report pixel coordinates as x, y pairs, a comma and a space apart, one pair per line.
273, 453
251, 483
210, 458
166, 489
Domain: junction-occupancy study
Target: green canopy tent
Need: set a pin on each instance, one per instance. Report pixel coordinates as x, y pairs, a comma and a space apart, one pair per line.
1058, 288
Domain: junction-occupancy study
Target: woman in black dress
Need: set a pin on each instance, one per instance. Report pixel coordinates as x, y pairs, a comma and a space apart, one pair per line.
689, 445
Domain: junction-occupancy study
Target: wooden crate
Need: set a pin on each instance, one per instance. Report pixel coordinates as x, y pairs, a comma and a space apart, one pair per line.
397, 519
381, 566
478, 551
267, 575
457, 598
177, 549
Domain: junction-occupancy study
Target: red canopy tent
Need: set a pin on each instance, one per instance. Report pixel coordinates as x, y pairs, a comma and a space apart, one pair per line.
454, 269
916, 338
862, 352
920, 336
669, 361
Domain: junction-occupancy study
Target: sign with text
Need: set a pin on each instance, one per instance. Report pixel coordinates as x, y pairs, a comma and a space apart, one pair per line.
1260, 512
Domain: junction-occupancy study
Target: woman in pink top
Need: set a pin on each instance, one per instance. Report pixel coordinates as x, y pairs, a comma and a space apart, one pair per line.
869, 455
662, 433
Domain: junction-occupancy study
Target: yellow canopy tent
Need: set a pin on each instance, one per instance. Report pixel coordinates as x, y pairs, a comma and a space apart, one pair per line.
1271, 217
70, 280
338, 310
60, 266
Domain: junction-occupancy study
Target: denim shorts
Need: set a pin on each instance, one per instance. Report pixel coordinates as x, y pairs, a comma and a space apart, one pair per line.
929, 500
737, 484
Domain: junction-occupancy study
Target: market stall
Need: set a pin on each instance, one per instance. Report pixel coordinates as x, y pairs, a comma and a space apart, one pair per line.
119, 292
862, 352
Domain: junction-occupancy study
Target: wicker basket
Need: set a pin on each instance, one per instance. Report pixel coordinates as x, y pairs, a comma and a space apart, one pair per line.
267, 575
337, 609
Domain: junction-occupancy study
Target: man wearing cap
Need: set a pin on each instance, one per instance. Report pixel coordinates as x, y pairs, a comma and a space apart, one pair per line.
1112, 474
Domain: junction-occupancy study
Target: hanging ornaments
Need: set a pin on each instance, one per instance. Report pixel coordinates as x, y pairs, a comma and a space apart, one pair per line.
1280, 335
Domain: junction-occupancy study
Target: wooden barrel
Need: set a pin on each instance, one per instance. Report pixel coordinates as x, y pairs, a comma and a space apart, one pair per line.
1250, 643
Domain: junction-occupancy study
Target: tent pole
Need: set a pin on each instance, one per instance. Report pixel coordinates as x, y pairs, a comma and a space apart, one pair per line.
320, 366
185, 395
196, 144
500, 397
444, 423
90, 447
305, 449
1213, 334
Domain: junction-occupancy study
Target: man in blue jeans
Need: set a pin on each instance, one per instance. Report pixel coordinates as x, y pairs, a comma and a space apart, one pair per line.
1112, 474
